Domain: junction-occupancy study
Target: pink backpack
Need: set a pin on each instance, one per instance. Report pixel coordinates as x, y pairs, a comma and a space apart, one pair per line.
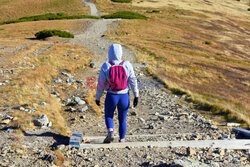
117, 77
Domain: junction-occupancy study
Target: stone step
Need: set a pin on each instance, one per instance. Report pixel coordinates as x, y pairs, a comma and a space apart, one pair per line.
224, 144
141, 135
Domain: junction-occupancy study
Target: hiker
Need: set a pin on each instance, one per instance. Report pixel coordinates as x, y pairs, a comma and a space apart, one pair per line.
116, 76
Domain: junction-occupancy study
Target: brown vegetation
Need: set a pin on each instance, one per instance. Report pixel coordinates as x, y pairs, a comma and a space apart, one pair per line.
30, 86
12, 9
206, 56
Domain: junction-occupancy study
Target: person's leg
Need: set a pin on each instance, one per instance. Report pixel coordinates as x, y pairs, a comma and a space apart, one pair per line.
110, 105
123, 106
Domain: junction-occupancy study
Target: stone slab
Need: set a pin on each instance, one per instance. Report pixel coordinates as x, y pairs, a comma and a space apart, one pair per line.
224, 144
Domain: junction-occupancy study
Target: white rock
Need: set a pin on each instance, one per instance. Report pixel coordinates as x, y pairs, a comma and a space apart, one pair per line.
79, 101
82, 109
42, 121
232, 124
67, 74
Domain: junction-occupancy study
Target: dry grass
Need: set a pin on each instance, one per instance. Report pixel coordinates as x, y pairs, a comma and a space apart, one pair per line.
28, 29
173, 42
59, 158
31, 86
90, 99
14, 9
229, 7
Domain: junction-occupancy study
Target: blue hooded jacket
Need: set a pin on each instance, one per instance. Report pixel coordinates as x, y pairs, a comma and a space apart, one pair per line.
115, 56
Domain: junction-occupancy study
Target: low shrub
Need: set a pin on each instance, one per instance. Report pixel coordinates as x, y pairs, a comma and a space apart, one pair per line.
49, 33
122, 1
125, 15
208, 42
49, 16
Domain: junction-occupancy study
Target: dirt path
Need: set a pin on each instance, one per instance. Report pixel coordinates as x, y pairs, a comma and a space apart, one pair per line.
93, 9
160, 116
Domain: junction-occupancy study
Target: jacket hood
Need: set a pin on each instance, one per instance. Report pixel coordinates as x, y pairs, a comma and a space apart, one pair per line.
115, 52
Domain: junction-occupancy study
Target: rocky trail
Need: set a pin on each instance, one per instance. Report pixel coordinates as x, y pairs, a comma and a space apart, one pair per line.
163, 130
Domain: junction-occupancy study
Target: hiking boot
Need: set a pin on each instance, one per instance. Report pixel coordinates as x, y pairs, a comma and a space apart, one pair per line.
122, 141
110, 137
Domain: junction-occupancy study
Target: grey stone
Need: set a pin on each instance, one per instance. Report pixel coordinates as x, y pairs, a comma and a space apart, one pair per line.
70, 81
58, 80
43, 104
71, 109
190, 151
141, 119
78, 100
19, 151
9, 130
42, 121
61, 147
82, 109
82, 117
214, 164
92, 64
20, 108
67, 74
163, 117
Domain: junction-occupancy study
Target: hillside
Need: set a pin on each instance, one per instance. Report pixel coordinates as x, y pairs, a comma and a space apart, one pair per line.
192, 69
14, 9
197, 47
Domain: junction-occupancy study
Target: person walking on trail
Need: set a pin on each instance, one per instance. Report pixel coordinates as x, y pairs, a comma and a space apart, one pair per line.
116, 76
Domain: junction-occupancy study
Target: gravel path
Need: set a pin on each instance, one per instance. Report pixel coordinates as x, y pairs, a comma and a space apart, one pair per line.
93, 9
160, 116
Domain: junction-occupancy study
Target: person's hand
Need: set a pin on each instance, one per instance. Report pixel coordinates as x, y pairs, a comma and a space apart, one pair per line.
135, 101
97, 102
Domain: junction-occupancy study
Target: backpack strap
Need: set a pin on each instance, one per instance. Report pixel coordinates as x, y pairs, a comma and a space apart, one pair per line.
121, 63
111, 63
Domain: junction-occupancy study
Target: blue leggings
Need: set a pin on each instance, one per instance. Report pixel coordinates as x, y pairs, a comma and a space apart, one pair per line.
122, 103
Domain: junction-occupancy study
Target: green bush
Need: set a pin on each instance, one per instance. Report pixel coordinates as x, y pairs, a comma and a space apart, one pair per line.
122, 1
248, 9
208, 42
49, 33
125, 15
49, 16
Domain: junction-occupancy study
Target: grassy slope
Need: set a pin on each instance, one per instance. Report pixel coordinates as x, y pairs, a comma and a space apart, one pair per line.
174, 40
32, 86
14, 9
